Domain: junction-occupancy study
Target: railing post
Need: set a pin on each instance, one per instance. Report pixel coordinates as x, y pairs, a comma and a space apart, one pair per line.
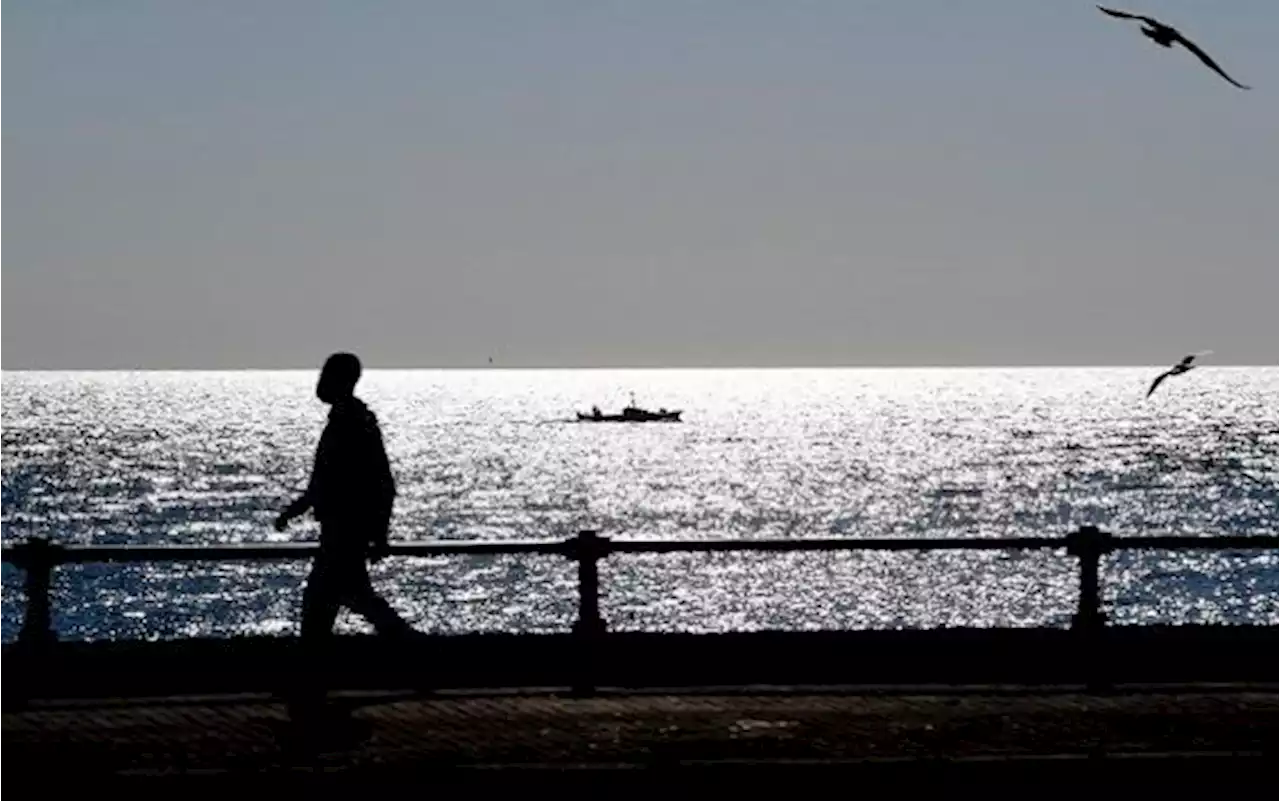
588, 548
1089, 544
38, 557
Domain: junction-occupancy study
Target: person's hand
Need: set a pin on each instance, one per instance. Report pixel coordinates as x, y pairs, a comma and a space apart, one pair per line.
378, 551
282, 522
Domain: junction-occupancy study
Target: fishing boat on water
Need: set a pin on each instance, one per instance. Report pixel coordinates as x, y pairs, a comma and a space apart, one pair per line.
630, 414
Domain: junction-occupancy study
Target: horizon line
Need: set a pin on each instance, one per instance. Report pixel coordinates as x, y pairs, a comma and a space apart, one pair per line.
536, 367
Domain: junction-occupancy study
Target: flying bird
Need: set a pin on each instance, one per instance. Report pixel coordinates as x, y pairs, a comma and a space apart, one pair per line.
1178, 369
1165, 36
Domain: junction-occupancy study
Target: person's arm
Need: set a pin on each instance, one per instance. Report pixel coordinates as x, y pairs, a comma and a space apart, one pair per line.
296, 509
302, 503
384, 489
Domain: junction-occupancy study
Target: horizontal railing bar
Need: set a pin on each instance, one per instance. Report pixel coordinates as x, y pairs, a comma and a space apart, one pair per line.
184, 553
837, 544
1175, 542
261, 552
72, 554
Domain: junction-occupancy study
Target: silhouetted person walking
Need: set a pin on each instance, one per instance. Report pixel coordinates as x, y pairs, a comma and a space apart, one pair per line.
351, 494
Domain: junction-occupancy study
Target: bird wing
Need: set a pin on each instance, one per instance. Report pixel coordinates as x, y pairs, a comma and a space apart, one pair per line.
1156, 383
1210, 63
1127, 15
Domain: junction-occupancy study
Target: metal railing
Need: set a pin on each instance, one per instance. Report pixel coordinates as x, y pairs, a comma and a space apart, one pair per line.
39, 557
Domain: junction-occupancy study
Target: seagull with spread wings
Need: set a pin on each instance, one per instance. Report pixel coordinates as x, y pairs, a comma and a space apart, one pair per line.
1166, 35
1178, 369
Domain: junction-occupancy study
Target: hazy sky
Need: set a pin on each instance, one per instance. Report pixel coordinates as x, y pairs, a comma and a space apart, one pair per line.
254, 184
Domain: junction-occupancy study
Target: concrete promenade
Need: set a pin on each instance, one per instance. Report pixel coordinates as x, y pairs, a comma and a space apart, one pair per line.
891, 737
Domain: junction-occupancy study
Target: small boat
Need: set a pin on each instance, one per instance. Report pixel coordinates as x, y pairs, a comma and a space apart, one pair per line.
630, 414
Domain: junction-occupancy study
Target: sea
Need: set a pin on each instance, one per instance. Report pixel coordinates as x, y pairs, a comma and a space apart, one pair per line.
196, 458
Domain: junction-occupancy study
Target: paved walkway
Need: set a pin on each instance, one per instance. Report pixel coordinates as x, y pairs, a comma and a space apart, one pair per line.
255, 735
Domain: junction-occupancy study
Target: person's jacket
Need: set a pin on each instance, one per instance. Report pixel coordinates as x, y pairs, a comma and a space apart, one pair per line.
351, 482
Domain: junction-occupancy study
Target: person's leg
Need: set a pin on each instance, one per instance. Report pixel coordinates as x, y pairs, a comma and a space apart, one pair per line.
320, 600
358, 593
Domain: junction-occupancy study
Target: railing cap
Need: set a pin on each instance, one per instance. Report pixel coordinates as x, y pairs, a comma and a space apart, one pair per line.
587, 544
1089, 541
37, 550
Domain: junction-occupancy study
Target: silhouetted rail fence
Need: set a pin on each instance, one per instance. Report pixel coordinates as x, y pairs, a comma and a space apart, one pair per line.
39, 557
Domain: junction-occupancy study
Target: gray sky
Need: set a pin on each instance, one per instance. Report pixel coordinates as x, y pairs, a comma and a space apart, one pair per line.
738, 182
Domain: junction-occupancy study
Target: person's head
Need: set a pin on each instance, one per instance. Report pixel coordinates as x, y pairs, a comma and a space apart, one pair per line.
338, 377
